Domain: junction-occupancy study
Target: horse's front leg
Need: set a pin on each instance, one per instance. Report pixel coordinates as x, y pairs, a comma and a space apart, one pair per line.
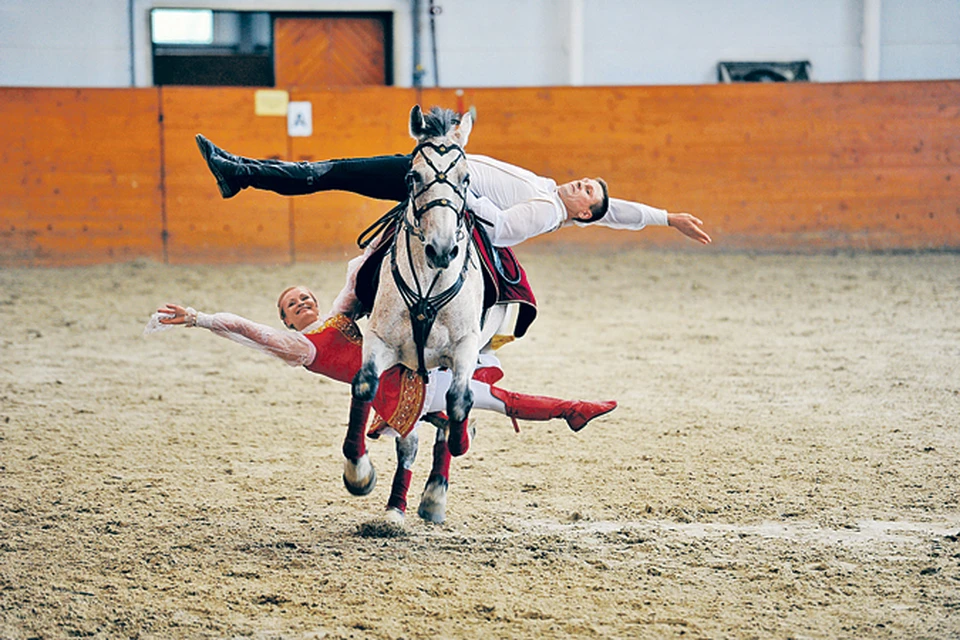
359, 476
459, 395
406, 456
433, 500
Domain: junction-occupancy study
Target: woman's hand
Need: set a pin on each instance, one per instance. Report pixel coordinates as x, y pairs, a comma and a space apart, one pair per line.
180, 314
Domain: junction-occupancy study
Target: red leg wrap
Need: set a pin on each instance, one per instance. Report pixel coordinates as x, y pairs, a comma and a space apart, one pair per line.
354, 445
441, 460
490, 375
398, 494
459, 438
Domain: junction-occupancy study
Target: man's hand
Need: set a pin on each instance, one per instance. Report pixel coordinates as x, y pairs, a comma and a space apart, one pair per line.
688, 226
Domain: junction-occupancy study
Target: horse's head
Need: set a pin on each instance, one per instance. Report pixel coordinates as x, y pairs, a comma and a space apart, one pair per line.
438, 182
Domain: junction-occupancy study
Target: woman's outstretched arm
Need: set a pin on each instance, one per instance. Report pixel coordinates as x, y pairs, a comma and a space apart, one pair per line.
291, 347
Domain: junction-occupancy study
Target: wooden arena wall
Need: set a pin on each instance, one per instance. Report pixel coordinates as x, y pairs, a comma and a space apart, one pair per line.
105, 175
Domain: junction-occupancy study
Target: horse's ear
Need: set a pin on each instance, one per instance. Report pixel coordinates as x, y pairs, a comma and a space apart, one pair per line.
416, 122
463, 129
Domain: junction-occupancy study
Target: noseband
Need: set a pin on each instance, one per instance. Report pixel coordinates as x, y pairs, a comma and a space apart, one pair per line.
440, 176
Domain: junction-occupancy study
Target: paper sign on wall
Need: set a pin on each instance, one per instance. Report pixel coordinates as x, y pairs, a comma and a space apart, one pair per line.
300, 119
270, 102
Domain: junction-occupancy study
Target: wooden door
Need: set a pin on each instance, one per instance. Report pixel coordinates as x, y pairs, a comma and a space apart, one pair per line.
334, 51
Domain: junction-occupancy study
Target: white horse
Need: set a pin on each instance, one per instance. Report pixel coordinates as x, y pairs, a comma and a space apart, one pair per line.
428, 307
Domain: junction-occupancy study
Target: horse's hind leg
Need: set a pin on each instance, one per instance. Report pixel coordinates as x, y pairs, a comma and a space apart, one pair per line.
459, 403
433, 501
406, 456
359, 476
460, 397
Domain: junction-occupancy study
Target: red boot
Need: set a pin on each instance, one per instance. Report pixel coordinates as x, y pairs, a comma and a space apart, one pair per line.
577, 413
490, 375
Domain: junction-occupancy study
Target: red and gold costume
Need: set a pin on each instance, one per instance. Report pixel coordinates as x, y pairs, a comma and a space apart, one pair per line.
400, 395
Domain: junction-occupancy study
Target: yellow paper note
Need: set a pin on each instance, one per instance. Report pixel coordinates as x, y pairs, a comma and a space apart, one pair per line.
271, 102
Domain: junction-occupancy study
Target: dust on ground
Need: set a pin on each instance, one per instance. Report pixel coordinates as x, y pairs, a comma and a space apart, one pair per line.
783, 462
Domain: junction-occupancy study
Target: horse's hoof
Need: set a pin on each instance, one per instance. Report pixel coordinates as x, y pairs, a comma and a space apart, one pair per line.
434, 513
394, 516
361, 490
433, 501
359, 477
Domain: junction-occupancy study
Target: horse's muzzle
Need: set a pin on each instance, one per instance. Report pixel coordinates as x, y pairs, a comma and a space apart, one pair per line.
440, 259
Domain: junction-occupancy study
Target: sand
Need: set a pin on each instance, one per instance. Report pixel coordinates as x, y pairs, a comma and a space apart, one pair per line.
783, 462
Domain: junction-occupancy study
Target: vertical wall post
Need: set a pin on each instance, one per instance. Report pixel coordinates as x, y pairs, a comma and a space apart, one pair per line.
417, 66
576, 43
870, 40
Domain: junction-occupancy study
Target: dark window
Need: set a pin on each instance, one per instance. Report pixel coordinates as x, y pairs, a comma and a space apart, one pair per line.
202, 47
798, 71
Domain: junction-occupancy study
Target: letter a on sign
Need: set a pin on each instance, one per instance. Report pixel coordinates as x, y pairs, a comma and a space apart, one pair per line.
299, 119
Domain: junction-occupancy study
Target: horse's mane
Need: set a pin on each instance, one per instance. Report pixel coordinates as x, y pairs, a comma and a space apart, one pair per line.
439, 121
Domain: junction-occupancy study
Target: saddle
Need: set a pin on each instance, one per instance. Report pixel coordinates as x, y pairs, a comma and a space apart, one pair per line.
504, 279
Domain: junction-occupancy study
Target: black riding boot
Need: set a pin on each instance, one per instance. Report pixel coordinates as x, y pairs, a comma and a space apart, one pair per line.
381, 177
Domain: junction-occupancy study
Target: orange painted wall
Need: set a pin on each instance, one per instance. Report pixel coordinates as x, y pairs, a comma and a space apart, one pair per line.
202, 227
346, 123
95, 175
79, 176
767, 166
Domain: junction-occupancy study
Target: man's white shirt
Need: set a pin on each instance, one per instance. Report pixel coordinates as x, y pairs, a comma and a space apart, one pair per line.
520, 205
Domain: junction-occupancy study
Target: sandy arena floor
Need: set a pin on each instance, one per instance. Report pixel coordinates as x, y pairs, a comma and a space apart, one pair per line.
783, 462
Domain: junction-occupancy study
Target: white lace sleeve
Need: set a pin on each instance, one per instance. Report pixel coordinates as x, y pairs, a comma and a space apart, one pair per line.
346, 301
291, 347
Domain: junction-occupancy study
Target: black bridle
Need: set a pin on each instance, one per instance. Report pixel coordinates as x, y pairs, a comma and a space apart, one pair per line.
440, 176
422, 305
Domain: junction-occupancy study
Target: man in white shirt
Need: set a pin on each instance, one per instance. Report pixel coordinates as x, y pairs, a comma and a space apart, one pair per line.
518, 203
522, 205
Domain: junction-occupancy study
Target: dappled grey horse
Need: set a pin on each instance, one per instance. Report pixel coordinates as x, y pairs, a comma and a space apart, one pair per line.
429, 302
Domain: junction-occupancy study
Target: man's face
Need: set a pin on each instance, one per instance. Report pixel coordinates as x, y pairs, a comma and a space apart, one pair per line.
579, 196
299, 308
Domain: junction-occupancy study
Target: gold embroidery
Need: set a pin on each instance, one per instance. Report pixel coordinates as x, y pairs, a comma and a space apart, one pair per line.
347, 327
409, 403
376, 425
499, 340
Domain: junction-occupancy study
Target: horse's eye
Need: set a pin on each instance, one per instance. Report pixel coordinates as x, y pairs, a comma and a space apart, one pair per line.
465, 182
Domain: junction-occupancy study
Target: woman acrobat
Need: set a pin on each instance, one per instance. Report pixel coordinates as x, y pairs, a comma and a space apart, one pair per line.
332, 347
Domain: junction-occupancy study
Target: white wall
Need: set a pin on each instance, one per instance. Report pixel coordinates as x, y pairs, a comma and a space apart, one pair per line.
681, 41
77, 43
64, 43
920, 39
499, 43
